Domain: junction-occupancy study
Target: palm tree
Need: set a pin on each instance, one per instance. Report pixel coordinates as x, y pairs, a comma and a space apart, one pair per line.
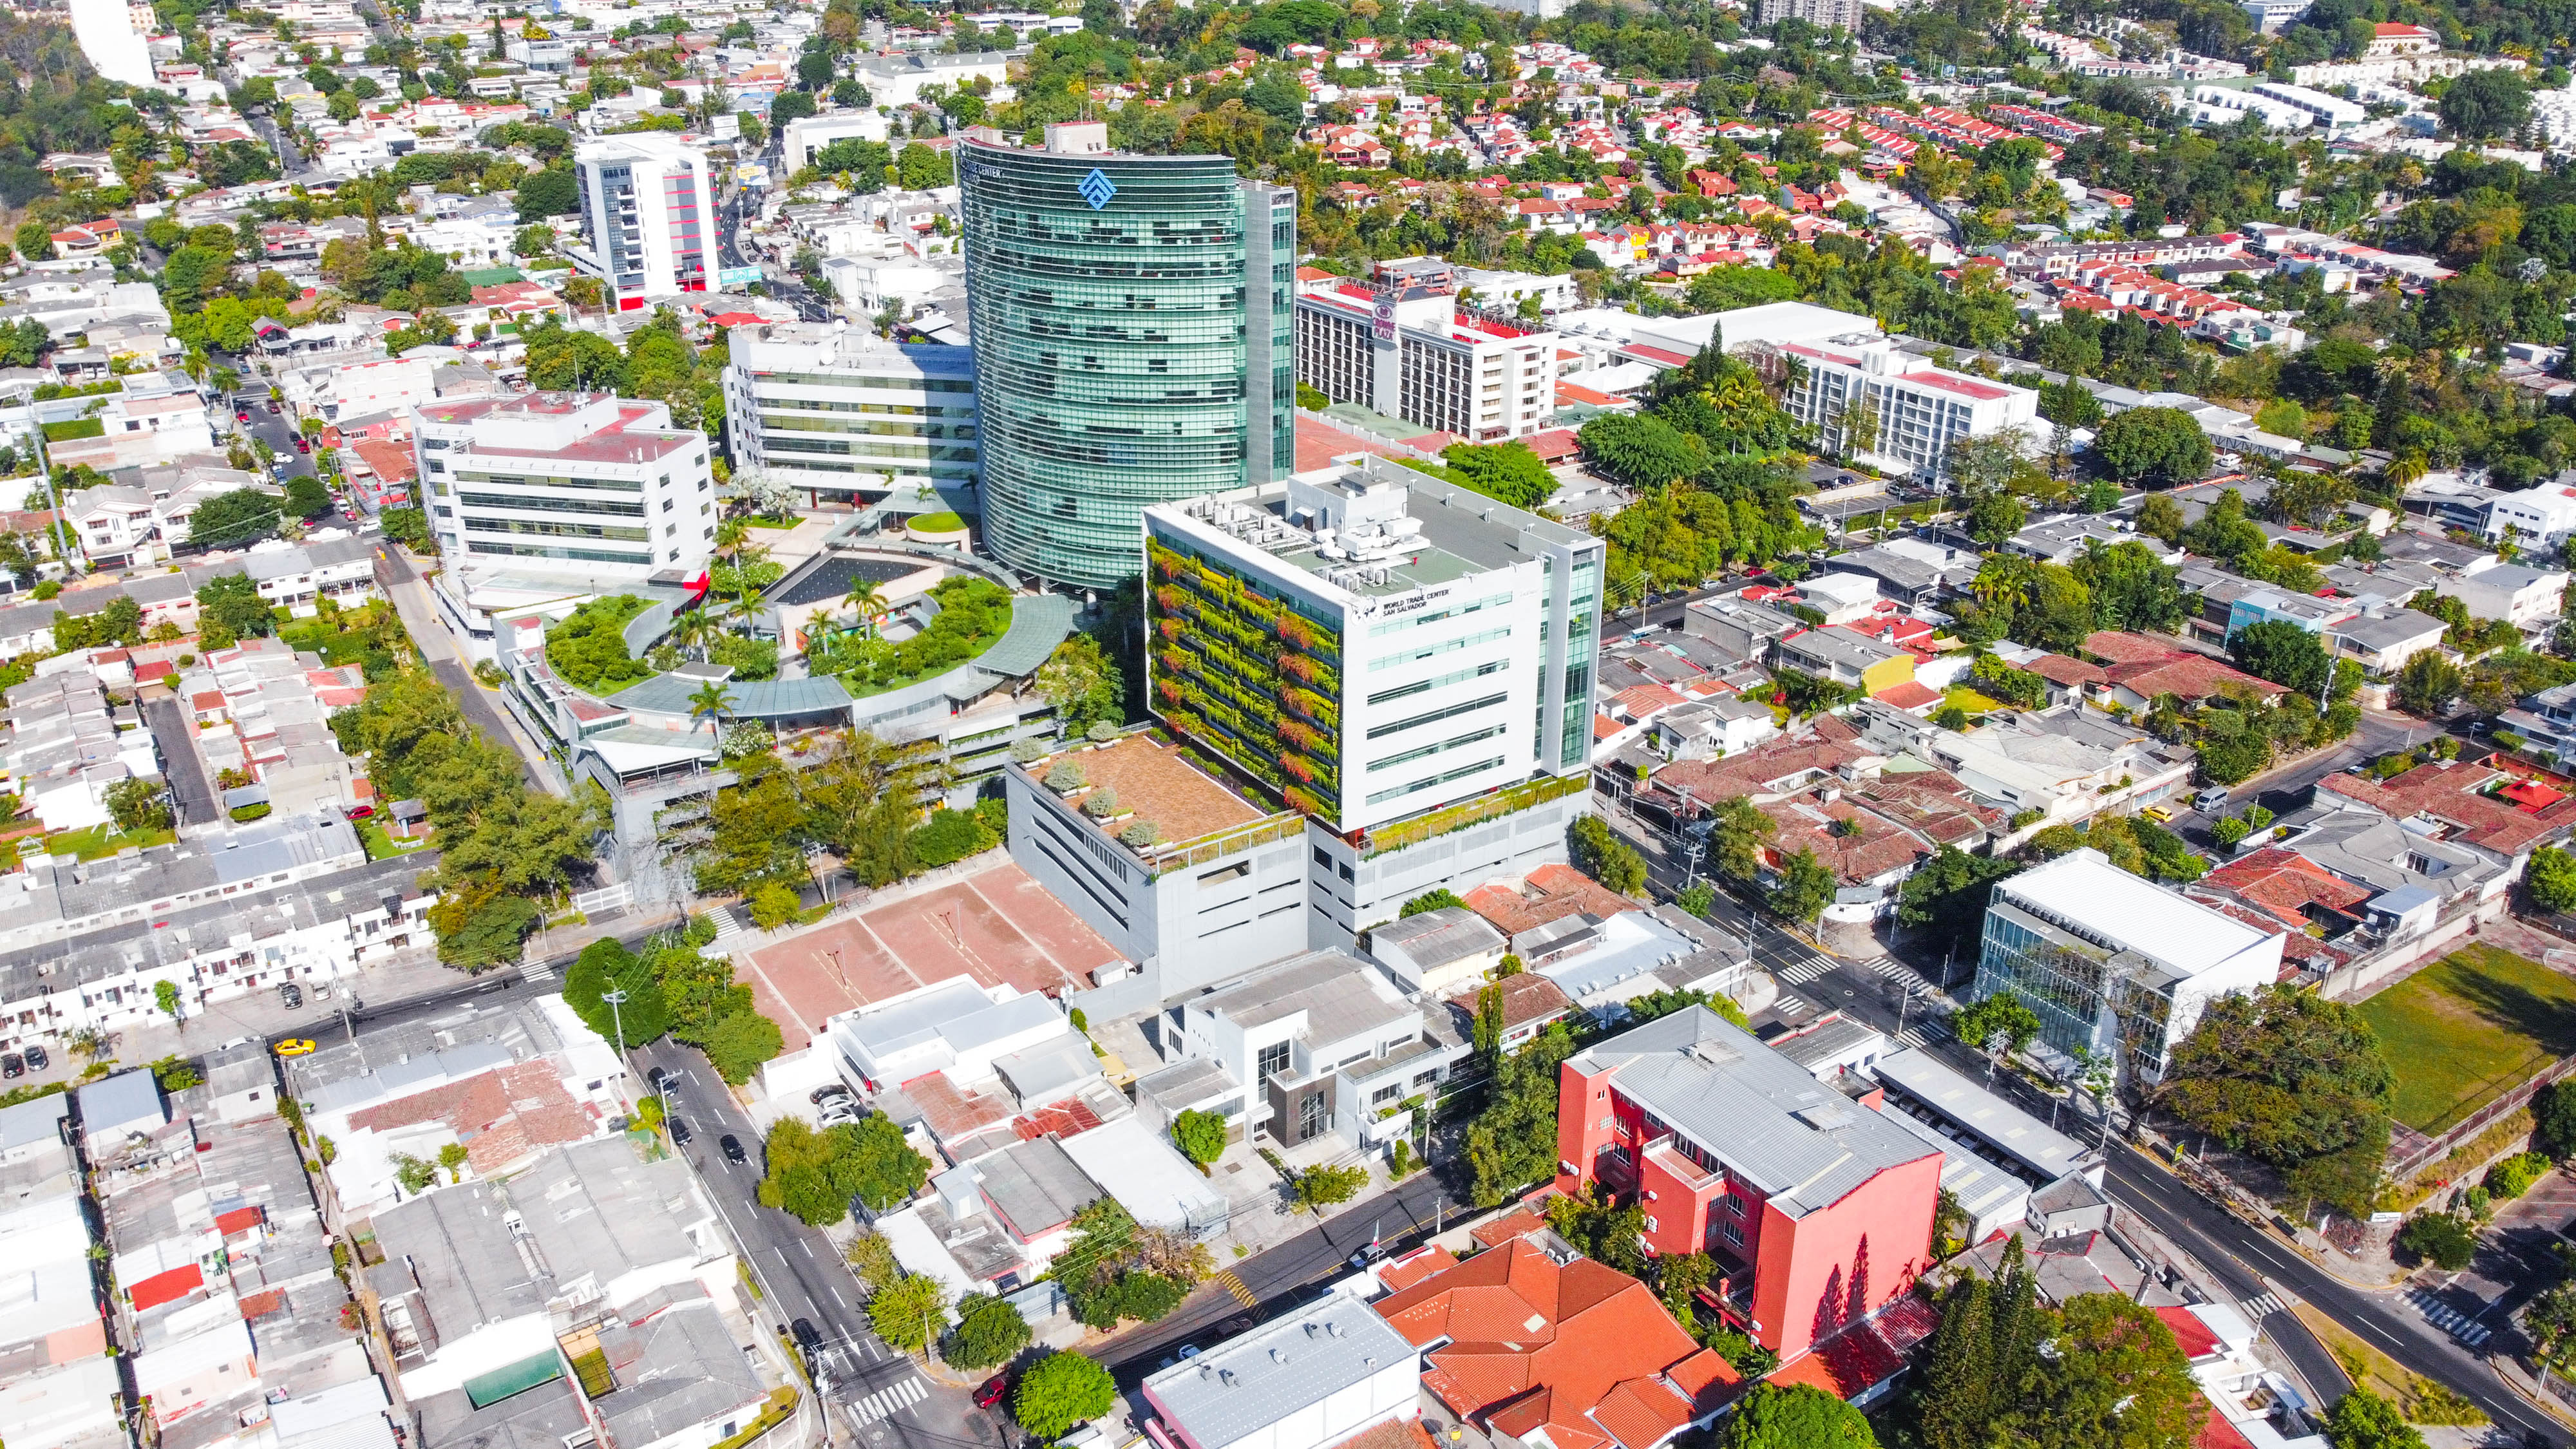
91, 1043
714, 702
695, 629
742, 610
867, 602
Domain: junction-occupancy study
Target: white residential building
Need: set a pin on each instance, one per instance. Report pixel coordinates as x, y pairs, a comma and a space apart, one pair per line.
806, 136
2541, 516
589, 479
1912, 410
834, 412
1410, 353
2332, 113
649, 215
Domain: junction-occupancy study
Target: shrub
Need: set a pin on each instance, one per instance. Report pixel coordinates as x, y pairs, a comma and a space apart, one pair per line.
1101, 732
1028, 752
2024, 819
588, 649
2514, 1176
1140, 834
247, 813
1101, 804
774, 905
2439, 1239
1066, 778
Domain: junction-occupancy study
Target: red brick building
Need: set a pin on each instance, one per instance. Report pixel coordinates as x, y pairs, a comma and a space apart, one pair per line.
1817, 1209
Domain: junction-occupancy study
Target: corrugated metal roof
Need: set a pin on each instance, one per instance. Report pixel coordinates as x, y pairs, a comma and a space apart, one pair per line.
1039, 622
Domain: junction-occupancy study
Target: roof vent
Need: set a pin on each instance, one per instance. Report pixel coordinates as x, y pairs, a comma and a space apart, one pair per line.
1333, 1327
1227, 1375
1278, 1356
1312, 1329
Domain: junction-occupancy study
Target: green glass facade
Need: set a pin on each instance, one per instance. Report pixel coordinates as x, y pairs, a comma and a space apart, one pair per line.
1127, 353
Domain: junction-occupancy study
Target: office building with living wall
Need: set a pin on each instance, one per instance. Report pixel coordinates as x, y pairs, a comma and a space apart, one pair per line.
843, 418
1131, 322
1368, 683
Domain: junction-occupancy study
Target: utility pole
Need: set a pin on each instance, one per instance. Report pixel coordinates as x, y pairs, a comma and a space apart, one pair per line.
615, 997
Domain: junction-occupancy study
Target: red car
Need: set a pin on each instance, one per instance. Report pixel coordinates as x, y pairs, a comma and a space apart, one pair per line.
303, 445
992, 1391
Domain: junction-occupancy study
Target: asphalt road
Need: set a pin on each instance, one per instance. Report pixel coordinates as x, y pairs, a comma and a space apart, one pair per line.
870, 1385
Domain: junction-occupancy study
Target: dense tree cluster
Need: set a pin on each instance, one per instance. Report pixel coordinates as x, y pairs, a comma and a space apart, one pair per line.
2294, 1080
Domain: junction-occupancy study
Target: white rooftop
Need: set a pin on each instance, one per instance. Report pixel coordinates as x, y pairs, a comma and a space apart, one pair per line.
2083, 889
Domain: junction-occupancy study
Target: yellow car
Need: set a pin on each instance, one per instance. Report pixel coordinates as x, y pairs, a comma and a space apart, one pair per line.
294, 1046
2157, 813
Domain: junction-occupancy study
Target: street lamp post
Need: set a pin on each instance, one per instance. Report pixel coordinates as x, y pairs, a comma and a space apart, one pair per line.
615, 996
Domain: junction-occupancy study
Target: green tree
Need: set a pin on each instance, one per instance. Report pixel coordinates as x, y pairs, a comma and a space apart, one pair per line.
1507, 472
909, 1313
2283, 653
1512, 1142
1323, 1185
2362, 1419
2550, 878
306, 497
1994, 517
2117, 1380
234, 520
2161, 517
2478, 106
1599, 853
35, 241
1061, 1392
2439, 1239
2286, 1076
1805, 887
165, 995
1643, 452
741, 1043
1945, 897
1738, 834
2132, 589
229, 609
605, 966
1801, 1416
2427, 683
1999, 1025
1434, 900
406, 526
1199, 1135
2553, 1111
2160, 447
138, 804
989, 1332
813, 1175
551, 192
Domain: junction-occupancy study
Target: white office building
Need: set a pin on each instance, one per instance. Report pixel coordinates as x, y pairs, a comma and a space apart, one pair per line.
1440, 644
848, 418
2333, 113
1867, 396
806, 136
649, 218
1408, 352
602, 483
2112, 964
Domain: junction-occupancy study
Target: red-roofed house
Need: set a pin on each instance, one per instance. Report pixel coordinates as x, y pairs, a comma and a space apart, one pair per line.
2141, 668
1577, 1355
2393, 40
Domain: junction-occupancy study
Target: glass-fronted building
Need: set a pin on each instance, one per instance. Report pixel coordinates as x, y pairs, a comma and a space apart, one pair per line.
2114, 966
1131, 322
850, 419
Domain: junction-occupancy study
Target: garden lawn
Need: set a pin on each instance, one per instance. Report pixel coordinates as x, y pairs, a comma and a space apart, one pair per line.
1969, 700
97, 842
380, 843
2469, 1027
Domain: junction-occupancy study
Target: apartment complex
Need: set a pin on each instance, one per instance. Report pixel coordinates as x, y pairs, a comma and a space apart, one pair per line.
2111, 964
1130, 316
1817, 1208
1828, 13
593, 480
840, 414
1868, 397
1404, 348
648, 214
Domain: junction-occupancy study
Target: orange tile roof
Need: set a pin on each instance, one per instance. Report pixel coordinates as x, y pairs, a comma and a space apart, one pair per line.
2449, 792
1399, 1274
1552, 892
1580, 1351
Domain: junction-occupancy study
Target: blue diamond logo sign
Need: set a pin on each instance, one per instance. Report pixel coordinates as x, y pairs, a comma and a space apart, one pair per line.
1097, 189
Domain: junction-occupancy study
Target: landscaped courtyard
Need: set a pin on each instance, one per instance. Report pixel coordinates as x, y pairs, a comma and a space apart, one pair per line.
2468, 1028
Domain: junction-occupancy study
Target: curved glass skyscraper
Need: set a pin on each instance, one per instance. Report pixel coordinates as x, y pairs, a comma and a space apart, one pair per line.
1130, 317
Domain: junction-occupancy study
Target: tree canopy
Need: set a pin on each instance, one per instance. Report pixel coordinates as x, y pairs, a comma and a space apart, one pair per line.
2292, 1079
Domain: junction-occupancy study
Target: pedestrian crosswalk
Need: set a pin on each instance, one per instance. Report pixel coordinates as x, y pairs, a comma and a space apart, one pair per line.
2262, 1306
729, 926
1234, 1285
1815, 964
1799, 973
889, 1401
537, 973
2452, 1321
